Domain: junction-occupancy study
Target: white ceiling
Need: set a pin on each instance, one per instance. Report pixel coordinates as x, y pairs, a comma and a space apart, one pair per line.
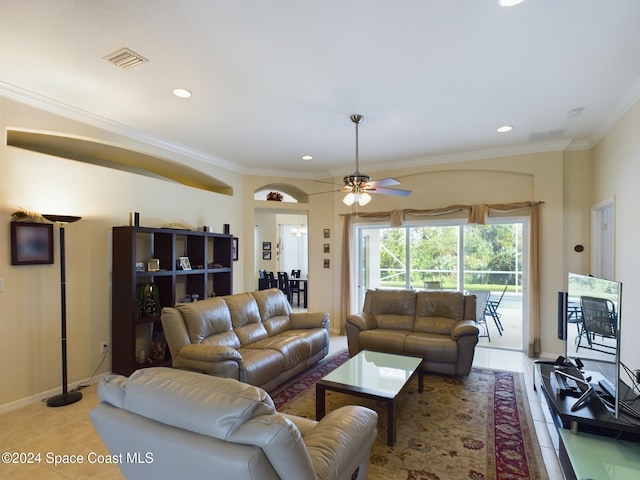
274, 80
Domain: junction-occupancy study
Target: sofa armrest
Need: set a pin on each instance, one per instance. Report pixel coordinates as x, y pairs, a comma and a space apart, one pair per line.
209, 353
301, 320
463, 328
362, 320
342, 440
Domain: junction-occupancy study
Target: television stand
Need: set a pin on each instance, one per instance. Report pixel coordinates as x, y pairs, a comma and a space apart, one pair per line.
593, 443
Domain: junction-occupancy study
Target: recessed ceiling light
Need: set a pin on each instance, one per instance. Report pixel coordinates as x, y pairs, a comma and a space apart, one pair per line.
505, 128
181, 92
509, 3
307, 157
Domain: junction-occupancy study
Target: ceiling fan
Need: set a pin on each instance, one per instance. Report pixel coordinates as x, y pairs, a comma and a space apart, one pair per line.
358, 185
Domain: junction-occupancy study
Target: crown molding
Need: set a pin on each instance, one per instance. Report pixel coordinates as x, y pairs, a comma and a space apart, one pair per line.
67, 111
559, 145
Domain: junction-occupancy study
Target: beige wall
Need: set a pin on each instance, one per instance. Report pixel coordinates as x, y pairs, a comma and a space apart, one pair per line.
615, 175
29, 306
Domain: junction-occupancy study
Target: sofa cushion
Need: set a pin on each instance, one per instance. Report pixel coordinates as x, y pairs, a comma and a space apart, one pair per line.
205, 318
294, 349
381, 340
275, 310
437, 312
393, 309
260, 365
431, 346
245, 318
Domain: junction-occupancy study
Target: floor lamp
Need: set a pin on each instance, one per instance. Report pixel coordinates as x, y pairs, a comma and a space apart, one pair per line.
66, 397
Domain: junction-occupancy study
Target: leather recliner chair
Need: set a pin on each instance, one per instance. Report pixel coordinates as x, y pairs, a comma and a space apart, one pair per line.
166, 424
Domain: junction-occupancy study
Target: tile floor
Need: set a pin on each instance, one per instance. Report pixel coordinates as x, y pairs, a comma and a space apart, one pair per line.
68, 430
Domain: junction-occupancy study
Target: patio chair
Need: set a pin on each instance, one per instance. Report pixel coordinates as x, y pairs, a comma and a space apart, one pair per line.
598, 319
492, 309
481, 310
433, 286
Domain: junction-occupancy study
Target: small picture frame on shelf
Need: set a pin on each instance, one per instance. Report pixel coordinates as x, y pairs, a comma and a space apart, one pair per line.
31, 243
234, 249
153, 265
185, 264
139, 267
266, 255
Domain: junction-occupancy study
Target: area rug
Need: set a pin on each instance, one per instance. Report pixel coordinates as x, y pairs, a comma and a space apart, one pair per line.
475, 427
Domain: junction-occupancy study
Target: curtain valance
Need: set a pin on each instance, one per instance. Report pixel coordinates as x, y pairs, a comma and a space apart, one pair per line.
478, 214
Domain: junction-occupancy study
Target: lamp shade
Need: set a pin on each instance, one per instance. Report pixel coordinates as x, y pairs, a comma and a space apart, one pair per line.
61, 218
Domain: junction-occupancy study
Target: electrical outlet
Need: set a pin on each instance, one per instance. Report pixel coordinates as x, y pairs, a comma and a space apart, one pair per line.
104, 347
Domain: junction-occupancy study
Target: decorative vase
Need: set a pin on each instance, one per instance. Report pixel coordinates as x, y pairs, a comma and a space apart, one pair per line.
148, 300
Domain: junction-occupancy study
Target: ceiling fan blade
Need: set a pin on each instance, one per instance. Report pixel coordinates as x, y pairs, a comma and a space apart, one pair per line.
328, 191
328, 183
390, 191
384, 182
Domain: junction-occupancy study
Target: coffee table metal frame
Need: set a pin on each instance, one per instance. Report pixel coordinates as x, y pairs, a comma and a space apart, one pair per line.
388, 396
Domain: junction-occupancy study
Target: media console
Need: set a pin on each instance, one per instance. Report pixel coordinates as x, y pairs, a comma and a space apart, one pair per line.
593, 443
586, 413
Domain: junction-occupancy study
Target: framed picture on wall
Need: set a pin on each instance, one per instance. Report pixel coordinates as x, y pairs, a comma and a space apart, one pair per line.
266, 245
31, 243
266, 255
327, 263
327, 233
326, 248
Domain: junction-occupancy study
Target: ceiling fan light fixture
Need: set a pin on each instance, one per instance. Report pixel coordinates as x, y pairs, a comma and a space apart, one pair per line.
361, 198
349, 199
364, 199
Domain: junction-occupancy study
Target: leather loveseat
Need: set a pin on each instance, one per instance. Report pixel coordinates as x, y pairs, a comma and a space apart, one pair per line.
438, 326
252, 337
165, 423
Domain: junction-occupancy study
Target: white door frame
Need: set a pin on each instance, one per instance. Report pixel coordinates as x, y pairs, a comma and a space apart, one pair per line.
603, 239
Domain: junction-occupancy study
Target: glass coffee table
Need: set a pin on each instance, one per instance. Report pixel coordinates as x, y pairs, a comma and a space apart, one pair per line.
375, 375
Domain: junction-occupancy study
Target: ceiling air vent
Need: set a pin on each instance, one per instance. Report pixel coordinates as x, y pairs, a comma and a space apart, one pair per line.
125, 58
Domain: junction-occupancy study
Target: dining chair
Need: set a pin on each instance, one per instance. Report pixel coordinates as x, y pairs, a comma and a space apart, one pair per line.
271, 280
294, 286
284, 284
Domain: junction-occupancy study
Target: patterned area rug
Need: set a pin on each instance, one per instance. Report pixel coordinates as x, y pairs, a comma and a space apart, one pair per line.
478, 427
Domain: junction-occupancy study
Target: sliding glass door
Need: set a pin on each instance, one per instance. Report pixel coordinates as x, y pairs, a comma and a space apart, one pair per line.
452, 256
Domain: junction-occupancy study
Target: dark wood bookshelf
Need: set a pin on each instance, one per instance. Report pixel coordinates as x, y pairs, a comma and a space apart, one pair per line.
211, 259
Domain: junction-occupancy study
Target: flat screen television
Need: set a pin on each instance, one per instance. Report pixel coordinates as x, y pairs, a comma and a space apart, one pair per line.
592, 333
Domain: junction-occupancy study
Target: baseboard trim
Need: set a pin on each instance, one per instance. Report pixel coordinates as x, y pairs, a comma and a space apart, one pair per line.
38, 397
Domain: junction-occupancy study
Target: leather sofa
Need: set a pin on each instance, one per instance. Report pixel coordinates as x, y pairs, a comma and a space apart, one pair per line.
438, 326
163, 423
252, 337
